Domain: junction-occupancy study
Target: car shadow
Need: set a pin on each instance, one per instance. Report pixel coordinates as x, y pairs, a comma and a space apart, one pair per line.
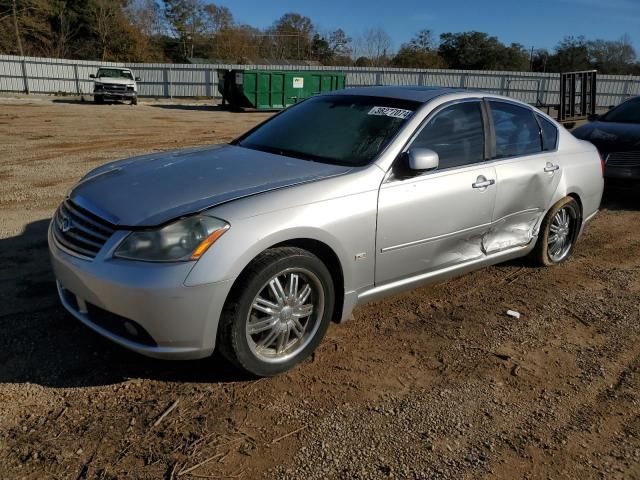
621, 197
208, 108
41, 343
88, 100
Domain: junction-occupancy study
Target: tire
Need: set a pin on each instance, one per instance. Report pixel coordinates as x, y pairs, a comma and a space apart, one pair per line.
282, 335
546, 251
98, 99
134, 101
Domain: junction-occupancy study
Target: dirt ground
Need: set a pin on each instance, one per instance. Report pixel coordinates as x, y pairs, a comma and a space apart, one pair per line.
434, 383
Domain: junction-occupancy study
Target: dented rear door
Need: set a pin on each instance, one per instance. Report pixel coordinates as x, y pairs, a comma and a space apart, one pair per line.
527, 176
525, 187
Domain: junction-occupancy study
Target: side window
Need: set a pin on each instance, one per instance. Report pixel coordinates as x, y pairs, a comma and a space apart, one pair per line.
456, 134
517, 131
549, 134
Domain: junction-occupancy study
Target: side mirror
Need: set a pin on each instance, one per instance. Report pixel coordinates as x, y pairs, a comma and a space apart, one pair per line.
422, 159
594, 117
92, 76
138, 79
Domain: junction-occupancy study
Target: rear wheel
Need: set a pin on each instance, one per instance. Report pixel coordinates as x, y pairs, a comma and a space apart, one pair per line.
98, 99
278, 312
558, 233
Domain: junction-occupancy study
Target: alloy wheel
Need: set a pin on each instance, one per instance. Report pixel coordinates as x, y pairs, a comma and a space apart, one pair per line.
285, 315
561, 234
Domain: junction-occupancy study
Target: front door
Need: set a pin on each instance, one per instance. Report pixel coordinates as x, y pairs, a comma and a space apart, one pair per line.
438, 219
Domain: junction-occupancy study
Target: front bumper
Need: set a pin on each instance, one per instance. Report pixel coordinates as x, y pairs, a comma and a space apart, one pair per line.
166, 318
114, 95
621, 174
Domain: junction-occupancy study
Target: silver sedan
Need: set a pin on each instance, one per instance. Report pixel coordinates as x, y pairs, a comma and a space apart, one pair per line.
254, 247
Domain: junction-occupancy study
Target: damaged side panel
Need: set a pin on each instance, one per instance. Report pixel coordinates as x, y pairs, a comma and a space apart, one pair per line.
512, 231
526, 187
432, 221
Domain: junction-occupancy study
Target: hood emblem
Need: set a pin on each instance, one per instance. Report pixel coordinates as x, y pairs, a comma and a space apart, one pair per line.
67, 224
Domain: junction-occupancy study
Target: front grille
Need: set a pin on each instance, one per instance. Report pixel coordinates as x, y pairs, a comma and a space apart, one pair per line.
624, 159
79, 230
114, 87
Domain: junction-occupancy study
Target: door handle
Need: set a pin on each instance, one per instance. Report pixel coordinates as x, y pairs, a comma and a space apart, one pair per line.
483, 183
550, 167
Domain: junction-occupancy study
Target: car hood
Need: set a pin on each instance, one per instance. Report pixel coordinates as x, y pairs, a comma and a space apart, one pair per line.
610, 136
115, 81
153, 189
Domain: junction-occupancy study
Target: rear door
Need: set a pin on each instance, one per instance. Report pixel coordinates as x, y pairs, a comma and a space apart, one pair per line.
528, 172
437, 219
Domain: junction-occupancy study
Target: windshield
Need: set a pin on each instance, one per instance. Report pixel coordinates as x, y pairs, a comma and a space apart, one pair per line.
340, 129
114, 73
626, 112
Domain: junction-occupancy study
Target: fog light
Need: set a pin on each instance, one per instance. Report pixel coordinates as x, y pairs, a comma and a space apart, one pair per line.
131, 329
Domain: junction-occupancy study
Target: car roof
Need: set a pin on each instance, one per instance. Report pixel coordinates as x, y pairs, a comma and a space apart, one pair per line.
416, 94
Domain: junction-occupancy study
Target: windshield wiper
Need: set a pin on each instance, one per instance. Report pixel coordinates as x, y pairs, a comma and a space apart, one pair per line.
287, 153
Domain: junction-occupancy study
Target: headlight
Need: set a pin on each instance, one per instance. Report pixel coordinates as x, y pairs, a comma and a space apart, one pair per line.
186, 239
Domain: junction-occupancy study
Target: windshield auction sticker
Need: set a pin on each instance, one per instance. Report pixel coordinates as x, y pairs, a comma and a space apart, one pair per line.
390, 112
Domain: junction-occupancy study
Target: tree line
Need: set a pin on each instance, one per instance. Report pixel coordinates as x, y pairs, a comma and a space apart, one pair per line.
180, 30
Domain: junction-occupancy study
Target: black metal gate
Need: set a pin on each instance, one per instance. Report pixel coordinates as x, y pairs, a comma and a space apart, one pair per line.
577, 95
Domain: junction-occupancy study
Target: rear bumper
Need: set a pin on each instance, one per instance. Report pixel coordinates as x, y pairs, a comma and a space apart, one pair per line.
166, 319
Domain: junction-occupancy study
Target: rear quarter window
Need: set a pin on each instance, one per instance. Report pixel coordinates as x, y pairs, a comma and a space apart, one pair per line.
549, 134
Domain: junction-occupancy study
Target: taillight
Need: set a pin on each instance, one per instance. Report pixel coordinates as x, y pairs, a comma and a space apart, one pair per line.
602, 163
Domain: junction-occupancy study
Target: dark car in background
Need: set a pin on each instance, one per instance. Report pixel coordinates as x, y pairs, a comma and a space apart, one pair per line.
616, 134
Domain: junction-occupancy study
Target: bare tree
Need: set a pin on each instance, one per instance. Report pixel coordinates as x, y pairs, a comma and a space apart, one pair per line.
63, 34
14, 14
104, 13
216, 18
375, 44
146, 15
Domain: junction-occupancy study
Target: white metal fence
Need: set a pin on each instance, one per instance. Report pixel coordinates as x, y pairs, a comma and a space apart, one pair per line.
50, 76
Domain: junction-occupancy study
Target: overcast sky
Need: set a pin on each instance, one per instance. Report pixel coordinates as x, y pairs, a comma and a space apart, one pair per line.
539, 23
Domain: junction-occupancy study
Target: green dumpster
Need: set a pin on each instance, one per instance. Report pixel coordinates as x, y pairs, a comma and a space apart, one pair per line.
274, 89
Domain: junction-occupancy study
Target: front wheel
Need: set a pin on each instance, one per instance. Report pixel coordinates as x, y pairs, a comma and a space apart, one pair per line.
134, 101
278, 311
558, 233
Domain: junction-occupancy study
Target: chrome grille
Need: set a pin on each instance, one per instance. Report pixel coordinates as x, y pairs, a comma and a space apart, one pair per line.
115, 87
79, 230
624, 159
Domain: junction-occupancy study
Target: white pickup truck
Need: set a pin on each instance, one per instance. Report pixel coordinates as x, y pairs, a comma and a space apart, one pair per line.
115, 84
